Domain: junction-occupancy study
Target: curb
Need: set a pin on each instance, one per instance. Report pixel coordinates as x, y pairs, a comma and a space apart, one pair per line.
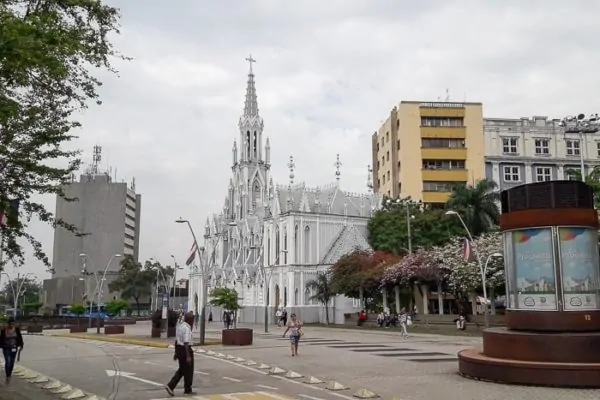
280, 373
129, 341
63, 390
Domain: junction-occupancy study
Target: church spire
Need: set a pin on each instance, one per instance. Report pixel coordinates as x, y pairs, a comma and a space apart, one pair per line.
251, 103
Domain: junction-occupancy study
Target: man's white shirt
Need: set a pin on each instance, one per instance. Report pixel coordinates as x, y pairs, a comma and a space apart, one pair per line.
183, 334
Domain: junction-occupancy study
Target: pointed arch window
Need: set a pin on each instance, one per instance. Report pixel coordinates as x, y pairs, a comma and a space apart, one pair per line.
296, 245
255, 195
277, 249
248, 143
306, 249
268, 247
285, 246
306, 296
255, 146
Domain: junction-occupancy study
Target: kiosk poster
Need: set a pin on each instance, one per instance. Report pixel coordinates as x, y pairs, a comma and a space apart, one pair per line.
534, 269
579, 262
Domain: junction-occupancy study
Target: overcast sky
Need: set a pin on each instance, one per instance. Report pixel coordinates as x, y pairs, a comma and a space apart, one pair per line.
327, 74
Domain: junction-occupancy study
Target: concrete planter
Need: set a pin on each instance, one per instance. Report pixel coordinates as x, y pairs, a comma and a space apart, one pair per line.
78, 329
155, 333
237, 337
35, 328
114, 329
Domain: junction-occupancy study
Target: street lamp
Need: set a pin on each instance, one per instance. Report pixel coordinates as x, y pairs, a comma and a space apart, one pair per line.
16, 291
408, 218
175, 268
267, 288
581, 124
203, 281
482, 268
100, 289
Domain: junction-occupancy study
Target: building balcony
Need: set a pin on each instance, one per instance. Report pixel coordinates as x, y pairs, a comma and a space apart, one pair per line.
442, 112
445, 175
444, 153
435, 197
443, 132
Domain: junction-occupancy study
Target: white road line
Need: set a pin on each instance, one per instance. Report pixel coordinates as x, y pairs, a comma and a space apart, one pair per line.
282, 378
273, 395
305, 396
267, 387
231, 379
202, 372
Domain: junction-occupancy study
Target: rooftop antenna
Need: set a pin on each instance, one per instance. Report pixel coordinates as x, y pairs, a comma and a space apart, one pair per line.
337, 166
96, 158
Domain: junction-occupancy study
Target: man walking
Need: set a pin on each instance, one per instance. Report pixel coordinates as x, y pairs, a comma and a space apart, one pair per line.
184, 355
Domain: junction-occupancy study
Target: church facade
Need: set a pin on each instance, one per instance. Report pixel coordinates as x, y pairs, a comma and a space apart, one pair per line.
269, 241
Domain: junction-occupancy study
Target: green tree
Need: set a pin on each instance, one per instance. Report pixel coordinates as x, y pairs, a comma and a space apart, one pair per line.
134, 282
388, 228
32, 307
30, 290
50, 52
478, 205
78, 310
322, 291
592, 179
227, 299
114, 307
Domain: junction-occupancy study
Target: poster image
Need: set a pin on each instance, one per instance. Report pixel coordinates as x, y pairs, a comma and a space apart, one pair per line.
579, 262
534, 269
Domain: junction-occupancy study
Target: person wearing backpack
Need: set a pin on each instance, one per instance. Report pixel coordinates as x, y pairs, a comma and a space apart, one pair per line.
11, 342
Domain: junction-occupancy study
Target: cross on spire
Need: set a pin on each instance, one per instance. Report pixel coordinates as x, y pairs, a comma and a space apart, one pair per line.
250, 61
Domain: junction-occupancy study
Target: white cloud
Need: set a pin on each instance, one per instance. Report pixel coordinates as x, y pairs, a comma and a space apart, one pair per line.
327, 74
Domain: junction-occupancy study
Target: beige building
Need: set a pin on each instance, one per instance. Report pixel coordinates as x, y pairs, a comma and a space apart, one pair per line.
425, 148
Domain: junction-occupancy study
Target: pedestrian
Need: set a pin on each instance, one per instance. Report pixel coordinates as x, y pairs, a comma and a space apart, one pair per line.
278, 317
405, 321
295, 328
210, 317
284, 317
11, 342
185, 357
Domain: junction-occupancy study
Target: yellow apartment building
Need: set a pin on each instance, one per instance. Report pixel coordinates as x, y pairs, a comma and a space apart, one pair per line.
425, 148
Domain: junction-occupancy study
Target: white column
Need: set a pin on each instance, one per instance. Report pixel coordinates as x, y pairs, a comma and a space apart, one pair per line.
281, 287
302, 289
528, 172
397, 296
291, 288
496, 172
385, 302
560, 172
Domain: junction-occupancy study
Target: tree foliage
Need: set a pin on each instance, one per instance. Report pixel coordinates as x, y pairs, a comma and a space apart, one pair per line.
114, 307
50, 51
358, 273
227, 299
388, 228
478, 205
322, 291
78, 309
30, 290
134, 281
592, 180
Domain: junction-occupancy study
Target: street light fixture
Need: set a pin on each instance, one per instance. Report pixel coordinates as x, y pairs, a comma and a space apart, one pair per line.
408, 218
16, 291
100, 289
482, 268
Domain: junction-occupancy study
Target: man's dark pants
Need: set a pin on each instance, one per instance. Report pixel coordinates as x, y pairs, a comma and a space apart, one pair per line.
185, 371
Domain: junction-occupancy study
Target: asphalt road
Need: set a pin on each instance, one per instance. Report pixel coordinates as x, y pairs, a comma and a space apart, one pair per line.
115, 372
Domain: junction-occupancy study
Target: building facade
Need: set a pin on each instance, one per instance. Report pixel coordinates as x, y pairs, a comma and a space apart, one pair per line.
425, 148
270, 240
107, 216
525, 150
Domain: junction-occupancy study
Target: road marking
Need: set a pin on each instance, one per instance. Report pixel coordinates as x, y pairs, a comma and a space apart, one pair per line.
305, 396
132, 376
283, 378
267, 387
233, 396
202, 373
231, 379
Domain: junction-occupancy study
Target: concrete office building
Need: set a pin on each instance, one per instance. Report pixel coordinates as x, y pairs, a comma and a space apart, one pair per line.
424, 148
525, 150
107, 215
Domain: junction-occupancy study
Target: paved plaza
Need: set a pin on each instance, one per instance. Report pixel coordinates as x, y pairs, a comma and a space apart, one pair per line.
424, 367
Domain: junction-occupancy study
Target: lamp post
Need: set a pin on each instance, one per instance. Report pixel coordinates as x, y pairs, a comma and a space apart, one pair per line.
175, 268
408, 218
84, 271
581, 124
482, 267
203, 281
267, 293
100, 289
16, 289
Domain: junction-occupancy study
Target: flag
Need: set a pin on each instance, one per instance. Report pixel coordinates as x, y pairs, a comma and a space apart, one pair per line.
11, 210
192, 255
467, 251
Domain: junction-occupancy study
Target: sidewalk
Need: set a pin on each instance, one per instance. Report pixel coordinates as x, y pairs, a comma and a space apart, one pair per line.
137, 334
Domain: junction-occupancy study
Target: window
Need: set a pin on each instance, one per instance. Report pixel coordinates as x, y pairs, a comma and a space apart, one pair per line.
383, 179
388, 175
387, 136
387, 156
442, 122
397, 144
382, 160
542, 147
598, 148
443, 164
543, 174
512, 174
429, 186
510, 146
442, 143
573, 148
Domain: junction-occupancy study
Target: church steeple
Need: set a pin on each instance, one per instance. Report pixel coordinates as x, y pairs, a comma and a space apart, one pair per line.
251, 124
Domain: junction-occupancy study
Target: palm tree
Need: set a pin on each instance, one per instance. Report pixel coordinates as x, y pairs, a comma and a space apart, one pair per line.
478, 205
322, 291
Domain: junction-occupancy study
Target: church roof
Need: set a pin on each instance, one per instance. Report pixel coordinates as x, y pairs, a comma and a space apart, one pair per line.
348, 240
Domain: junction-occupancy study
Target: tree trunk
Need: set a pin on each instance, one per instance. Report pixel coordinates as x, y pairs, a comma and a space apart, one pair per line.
137, 304
327, 312
492, 302
440, 298
361, 297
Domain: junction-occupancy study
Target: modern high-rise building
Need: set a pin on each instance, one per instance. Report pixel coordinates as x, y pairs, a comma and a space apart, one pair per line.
107, 217
525, 150
425, 148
